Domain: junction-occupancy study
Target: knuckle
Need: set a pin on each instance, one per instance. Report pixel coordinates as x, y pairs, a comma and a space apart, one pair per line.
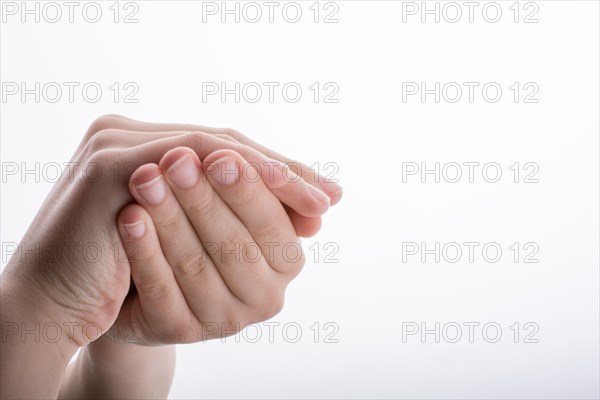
193, 140
169, 224
176, 332
232, 324
202, 205
271, 308
101, 123
96, 169
272, 231
102, 160
232, 133
232, 248
135, 256
293, 263
101, 140
152, 288
300, 260
225, 137
244, 198
192, 266
289, 258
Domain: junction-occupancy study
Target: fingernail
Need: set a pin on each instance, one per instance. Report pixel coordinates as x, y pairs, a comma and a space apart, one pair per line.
317, 194
333, 190
135, 230
225, 171
184, 172
153, 192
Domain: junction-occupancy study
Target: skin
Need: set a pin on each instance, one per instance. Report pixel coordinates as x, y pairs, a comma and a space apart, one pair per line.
180, 295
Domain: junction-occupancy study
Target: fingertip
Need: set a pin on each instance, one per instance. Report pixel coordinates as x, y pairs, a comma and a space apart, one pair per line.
131, 214
143, 174
333, 190
132, 222
308, 227
323, 199
176, 154
336, 197
222, 153
227, 168
304, 226
148, 186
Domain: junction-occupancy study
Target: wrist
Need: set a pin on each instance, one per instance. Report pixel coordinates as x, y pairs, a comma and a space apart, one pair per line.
98, 371
35, 349
106, 352
28, 318
41, 299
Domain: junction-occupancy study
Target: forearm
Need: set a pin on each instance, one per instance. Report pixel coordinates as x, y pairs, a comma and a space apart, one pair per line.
110, 369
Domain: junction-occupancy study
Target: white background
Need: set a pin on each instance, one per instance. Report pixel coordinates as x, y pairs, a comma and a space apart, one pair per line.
370, 294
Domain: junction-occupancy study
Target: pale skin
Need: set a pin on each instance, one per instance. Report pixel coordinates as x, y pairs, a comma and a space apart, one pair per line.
189, 195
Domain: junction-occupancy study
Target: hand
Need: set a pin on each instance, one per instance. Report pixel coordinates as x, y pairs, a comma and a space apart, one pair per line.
77, 275
88, 278
211, 249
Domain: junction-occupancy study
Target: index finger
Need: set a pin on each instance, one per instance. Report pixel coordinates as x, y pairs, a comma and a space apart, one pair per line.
331, 188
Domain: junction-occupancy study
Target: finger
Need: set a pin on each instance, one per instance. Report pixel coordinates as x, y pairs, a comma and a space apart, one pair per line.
159, 305
121, 139
305, 227
239, 185
197, 276
224, 236
329, 186
292, 190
